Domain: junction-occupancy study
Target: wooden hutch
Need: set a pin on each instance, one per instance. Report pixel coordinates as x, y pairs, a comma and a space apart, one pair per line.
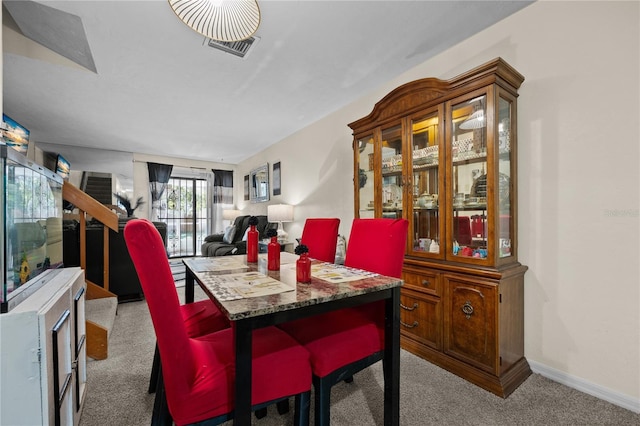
443, 155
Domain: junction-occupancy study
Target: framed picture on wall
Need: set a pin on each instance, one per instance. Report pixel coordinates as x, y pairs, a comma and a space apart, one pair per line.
246, 187
276, 178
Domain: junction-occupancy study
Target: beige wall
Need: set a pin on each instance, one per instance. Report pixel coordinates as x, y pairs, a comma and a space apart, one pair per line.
578, 182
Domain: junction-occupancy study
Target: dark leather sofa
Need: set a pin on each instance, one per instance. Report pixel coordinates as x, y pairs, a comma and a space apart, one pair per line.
215, 246
123, 278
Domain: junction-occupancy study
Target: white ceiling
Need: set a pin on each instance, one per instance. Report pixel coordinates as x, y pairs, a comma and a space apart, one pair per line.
159, 90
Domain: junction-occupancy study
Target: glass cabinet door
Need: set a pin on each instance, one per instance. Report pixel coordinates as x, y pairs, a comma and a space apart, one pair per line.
504, 226
424, 223
365, 177
468, 184
391, 149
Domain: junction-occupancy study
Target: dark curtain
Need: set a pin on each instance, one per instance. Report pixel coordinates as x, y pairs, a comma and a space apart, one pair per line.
222, 186
220, 196
159, 175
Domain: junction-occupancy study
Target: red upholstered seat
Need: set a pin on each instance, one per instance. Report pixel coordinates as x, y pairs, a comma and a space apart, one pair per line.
320, 235
344, 342
202, 317
336, 339
198, 373
280, 368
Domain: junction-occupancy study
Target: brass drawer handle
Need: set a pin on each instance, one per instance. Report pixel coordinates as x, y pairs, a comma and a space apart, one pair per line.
467, 309
415, 305
404, 324
425, 283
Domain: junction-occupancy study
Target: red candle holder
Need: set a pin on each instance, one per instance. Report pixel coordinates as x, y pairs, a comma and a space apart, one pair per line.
273, 255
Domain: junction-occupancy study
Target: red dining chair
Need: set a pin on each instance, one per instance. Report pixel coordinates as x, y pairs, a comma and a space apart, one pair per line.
198, 374
344, 342
462, 229
200, 318
320, 235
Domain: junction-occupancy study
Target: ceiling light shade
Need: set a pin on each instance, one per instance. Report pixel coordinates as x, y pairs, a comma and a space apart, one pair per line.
222, 20
475, 121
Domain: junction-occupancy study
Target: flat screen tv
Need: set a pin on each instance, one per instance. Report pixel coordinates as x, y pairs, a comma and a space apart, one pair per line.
15, 135
62, 167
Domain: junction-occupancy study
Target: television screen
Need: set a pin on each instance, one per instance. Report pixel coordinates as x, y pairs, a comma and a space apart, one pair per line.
62, 167
14, 135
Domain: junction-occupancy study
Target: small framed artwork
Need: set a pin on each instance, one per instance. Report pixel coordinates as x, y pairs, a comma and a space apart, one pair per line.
276, 179
246, 187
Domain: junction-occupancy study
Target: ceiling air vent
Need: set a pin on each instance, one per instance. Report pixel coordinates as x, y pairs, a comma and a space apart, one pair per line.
240, 48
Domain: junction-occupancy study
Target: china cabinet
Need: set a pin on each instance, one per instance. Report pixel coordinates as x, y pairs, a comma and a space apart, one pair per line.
442, 154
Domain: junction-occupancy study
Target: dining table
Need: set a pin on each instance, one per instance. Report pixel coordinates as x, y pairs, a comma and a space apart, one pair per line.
264, 298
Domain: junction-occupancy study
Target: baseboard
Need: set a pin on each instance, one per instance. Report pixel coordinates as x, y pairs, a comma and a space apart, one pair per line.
589, 388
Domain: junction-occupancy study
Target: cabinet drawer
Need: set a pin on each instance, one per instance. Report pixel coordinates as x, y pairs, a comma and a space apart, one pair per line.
420, 318
424, 281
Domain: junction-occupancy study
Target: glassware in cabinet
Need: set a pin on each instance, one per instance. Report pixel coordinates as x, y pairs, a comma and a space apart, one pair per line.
425, 221
505, 173
364, 182
392, 172
468, 195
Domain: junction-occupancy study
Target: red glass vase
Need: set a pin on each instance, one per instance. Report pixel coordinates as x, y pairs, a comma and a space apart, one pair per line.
303, 268
252, 245
273, 255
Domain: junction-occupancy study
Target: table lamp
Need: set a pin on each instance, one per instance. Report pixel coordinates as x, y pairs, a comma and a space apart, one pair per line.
280, 213
230, 215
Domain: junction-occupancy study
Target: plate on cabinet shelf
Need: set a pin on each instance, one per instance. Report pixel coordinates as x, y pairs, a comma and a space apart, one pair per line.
425, 161
469, 155
475, 205
418, 167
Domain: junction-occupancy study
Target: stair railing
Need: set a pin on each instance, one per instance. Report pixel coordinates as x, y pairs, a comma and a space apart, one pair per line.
97, 347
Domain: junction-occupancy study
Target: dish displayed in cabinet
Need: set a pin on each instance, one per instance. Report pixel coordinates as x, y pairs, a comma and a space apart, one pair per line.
470, 206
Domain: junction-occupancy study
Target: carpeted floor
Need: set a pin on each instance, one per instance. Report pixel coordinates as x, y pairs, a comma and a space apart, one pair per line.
117, 391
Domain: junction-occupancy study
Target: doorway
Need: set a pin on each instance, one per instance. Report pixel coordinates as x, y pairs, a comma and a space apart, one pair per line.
183, 207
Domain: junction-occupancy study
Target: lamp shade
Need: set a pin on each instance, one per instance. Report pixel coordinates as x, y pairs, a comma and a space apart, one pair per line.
280, 213
230, 214
222, 20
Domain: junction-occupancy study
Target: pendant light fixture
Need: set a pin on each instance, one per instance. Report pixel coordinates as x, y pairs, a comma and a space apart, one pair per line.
222, 20
475, 121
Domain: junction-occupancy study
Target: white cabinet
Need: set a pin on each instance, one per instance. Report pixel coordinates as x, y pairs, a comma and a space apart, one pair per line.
43, 353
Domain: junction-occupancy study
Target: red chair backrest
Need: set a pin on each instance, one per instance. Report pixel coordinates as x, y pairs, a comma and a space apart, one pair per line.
320, 235
462, 229
150, 259
377, 245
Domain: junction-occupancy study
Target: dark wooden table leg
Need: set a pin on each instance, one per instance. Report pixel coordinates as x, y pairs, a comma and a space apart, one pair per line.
189, 283
243, 337
391, 361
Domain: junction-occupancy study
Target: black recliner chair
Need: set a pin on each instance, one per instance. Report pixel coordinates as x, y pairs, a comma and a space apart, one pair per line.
215, 244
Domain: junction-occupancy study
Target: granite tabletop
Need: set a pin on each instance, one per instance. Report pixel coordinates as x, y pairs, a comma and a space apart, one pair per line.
301, 294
